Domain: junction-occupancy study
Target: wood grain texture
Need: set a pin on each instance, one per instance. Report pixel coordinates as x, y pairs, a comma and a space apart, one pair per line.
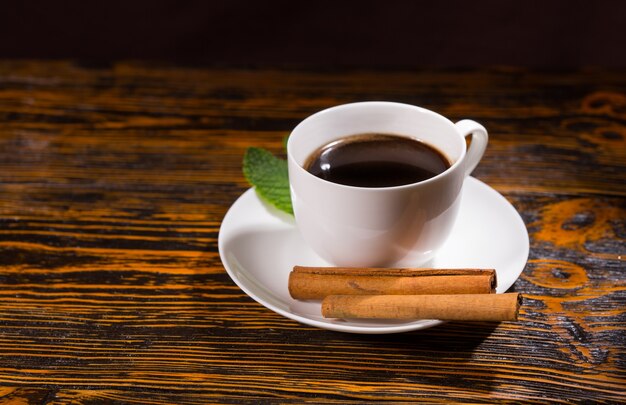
114, 181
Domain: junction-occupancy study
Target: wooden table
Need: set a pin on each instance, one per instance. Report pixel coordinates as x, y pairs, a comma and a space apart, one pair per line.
114, 181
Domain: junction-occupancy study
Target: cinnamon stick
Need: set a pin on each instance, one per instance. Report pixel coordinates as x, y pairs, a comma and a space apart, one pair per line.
315, 283
460, 307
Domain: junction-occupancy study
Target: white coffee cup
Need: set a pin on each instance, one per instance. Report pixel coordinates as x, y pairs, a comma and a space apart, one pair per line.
387, 226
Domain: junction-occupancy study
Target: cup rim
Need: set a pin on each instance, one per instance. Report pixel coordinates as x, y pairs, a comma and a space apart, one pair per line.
453, 167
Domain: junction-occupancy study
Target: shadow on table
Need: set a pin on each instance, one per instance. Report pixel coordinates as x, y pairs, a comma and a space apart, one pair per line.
446, 354
458, 338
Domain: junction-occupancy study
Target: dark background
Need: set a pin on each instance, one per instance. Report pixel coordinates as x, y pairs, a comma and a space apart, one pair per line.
389, 33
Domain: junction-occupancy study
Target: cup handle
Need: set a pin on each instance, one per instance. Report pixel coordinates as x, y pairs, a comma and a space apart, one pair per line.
478, 145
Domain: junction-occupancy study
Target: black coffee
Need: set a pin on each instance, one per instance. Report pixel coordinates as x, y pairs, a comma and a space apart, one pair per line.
376, 160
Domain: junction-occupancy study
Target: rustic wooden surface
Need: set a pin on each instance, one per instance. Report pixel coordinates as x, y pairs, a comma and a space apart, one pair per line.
114, 181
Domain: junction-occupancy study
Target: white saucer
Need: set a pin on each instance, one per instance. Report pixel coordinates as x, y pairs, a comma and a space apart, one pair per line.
259, 246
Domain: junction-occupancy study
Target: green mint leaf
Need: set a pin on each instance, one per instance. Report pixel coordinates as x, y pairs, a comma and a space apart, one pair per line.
268, 174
